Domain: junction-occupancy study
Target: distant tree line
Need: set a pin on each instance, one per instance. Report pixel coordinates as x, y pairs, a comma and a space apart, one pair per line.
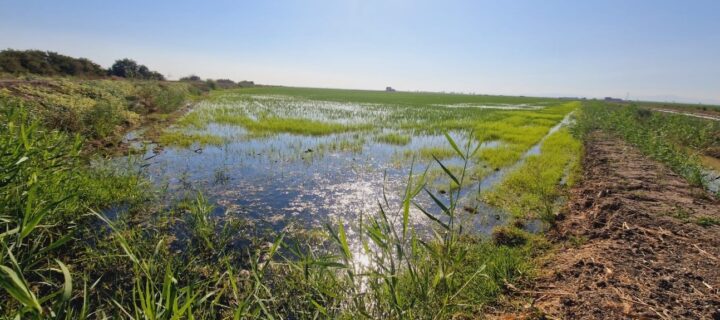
218, 83
48, 63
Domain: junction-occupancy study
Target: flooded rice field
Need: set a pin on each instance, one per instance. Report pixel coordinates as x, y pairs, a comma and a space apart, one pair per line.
287, 163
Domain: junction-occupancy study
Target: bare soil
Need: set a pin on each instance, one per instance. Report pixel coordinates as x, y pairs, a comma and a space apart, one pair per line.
630, 244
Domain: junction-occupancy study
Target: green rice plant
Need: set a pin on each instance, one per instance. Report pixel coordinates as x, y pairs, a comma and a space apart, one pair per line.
263, 123
186, 139
295, 125
420, 99
442, 153
355, 145
266, 109
394, 139
437, 178
533, 189
192, 119
501, 156
392, 272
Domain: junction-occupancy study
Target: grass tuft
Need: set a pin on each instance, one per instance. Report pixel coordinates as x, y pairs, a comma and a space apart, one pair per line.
394, 139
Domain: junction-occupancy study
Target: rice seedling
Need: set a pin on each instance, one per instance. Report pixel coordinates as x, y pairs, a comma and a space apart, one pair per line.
533, 190
442, 153
394, 139
186, 139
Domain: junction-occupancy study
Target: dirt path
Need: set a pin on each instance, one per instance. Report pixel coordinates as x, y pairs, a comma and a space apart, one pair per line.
690, 114
631, 245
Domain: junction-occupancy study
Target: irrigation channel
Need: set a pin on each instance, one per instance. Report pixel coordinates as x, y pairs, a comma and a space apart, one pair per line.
286, 182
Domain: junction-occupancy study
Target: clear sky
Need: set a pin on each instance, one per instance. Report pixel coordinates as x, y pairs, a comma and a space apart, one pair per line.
647, 49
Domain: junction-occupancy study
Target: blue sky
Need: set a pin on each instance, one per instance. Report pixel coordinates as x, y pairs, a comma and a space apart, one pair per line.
654, 49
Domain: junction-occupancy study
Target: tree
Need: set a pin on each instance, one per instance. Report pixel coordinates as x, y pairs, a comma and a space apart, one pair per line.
47, 63
125, 68
225, 83
128, 68
191, 78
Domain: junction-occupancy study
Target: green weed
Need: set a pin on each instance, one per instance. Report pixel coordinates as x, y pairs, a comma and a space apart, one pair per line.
707, 221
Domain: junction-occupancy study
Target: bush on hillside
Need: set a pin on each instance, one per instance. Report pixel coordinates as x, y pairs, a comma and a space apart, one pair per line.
47, 63
128, 68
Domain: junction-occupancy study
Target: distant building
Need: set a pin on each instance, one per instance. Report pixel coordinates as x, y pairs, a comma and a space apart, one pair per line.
389, 89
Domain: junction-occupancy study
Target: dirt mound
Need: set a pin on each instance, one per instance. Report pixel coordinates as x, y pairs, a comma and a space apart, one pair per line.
635, 243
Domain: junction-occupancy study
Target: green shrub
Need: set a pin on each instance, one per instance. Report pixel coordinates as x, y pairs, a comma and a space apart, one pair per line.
47, 63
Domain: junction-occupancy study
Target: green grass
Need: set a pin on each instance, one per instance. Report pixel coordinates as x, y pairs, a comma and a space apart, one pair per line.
359, 110
355, 144
684, 216
185, 139
532, 190
263, 124
46, 190
501, 156
294, 125
394, 139
707, 221
442, 153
